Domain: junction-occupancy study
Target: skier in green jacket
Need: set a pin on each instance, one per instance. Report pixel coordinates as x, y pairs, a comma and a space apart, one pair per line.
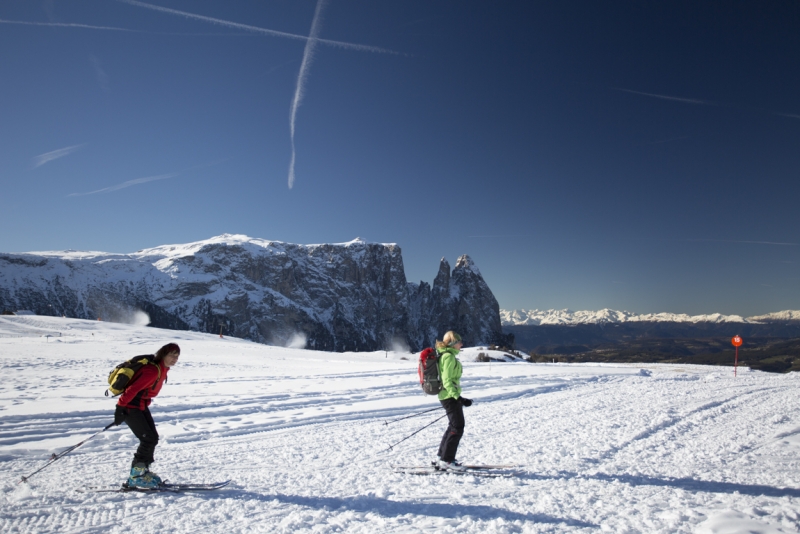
451, 399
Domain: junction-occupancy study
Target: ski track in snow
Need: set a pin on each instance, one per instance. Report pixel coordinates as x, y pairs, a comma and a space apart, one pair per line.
646, 448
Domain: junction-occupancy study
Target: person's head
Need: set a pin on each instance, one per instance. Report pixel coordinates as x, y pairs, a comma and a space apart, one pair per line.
168, 354
450, 340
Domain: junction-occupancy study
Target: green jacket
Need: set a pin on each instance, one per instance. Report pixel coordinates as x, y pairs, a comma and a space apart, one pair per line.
450, 369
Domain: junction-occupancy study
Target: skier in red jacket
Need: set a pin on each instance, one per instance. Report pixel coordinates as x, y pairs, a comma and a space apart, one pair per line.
132, 409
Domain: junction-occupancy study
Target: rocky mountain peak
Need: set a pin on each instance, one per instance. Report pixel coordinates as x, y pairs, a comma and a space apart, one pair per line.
465, 262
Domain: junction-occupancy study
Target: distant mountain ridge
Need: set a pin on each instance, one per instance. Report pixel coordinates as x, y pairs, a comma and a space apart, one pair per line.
524, 317
350, 296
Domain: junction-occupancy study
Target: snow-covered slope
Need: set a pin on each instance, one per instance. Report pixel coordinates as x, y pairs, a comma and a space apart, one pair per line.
301, 434
347, 296
568, 317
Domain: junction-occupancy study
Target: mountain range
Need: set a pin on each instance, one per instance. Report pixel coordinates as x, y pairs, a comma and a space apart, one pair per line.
771, 341
607, 316
350, 296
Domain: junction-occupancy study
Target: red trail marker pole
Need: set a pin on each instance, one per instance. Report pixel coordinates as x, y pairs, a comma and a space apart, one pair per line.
736, 342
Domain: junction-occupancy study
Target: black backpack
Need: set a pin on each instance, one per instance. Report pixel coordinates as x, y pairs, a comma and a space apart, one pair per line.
429, 376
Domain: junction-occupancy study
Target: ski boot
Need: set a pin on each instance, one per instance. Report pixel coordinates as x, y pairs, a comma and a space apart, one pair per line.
154, 476
451, 466
142, 478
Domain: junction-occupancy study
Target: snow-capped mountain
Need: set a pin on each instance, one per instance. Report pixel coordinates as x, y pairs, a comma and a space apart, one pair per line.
786, 315
604, 316
347, 296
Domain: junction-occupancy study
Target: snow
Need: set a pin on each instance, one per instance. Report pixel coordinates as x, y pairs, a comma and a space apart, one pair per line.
785, 315
569, 317
465, 262
166, 254
602, 448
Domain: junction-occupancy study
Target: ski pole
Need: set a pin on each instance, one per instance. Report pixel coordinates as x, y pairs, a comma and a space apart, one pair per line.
55, 457
414, 434
410, 416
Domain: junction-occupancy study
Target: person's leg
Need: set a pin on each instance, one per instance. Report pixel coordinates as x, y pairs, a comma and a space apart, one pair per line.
455, 429
443, 443
143, 427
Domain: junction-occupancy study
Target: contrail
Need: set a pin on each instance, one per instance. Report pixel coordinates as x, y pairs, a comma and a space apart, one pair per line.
247, 27
114, 28
495, 235
744, 242
146, 179
708, 240
41, 159
311, 41
102, 77
703, 102
69, 25
666, 97
129, 183
308, 55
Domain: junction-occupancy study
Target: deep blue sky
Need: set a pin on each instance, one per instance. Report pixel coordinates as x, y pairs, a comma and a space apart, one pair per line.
632, 155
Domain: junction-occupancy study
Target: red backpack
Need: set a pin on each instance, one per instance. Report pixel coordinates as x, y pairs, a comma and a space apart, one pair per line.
429, 376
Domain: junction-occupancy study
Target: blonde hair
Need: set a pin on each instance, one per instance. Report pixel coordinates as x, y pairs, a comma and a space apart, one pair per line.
450, 339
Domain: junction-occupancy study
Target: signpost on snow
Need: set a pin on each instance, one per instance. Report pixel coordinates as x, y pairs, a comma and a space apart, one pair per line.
737, 342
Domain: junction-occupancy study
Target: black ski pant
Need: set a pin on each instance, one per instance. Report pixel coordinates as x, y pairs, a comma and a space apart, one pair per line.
143, 427
452, 436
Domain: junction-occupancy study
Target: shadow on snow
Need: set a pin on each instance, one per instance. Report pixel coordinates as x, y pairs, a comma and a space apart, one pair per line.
687, 484
387, 508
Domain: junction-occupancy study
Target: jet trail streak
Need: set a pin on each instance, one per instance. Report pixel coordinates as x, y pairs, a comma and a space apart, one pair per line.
308, 55
69, 25
55, 154
247, 27
129, 183
667, 97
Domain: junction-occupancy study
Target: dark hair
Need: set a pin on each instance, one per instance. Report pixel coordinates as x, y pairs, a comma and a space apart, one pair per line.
166, 349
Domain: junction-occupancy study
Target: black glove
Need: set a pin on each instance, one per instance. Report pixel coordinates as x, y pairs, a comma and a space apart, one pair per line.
119, 415
465, 401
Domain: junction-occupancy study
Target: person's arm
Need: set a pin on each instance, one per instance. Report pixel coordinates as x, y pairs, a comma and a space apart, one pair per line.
447, 366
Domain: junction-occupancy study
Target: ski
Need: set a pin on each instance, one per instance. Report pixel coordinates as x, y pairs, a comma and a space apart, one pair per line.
476, 467
195, 487
488, 471
431, 471
166, 487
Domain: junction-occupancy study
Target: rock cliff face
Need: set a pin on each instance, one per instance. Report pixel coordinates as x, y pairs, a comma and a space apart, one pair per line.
340, 297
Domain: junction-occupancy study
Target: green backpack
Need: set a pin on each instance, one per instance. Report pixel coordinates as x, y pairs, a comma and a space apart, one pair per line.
121, 375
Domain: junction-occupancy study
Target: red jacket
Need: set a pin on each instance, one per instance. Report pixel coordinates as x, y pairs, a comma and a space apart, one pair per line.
145, 384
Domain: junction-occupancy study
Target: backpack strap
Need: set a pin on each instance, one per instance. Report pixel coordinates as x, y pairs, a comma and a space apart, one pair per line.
158, 367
